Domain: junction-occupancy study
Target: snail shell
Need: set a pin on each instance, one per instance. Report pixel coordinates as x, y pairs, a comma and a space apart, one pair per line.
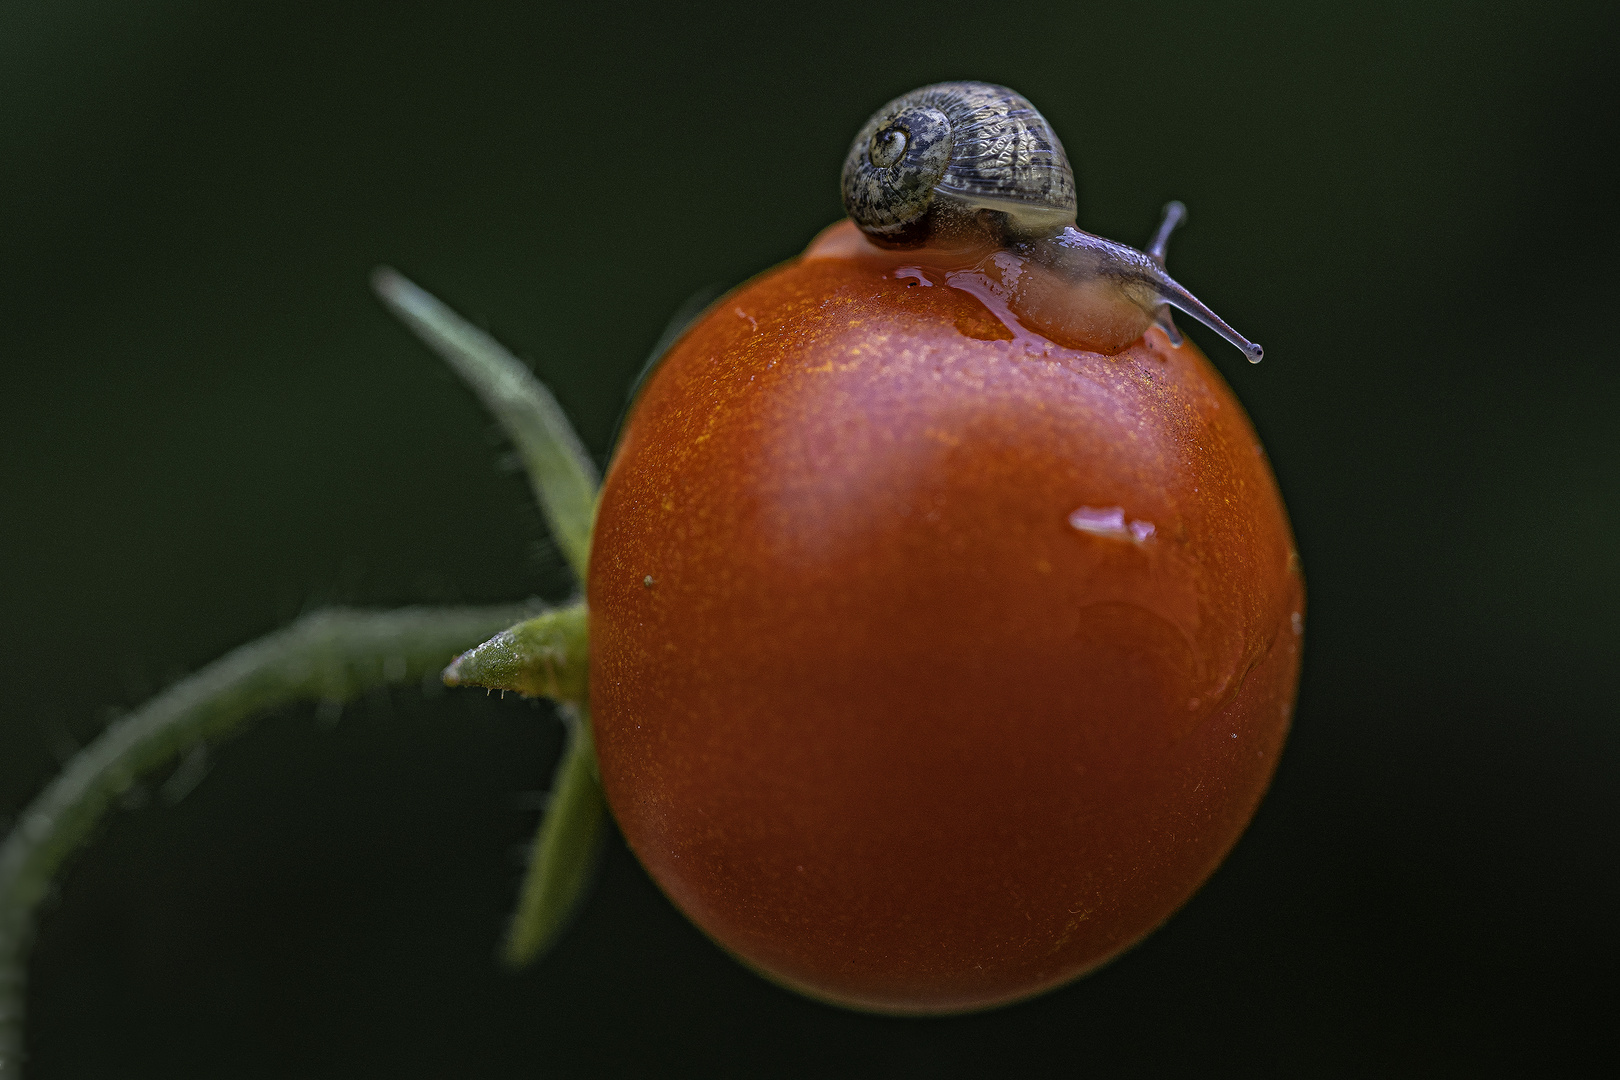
958, 159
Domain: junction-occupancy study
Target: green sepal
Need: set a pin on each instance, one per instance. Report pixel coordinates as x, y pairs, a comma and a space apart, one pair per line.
545, 656
562, 474
563, 860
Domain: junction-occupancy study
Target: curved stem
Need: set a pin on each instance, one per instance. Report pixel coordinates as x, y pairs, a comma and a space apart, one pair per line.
329, 655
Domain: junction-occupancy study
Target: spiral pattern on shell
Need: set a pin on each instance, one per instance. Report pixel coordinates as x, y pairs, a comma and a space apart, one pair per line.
930, 161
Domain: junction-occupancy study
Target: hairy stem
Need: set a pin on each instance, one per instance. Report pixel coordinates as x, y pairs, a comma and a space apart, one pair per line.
561, 472
330, 655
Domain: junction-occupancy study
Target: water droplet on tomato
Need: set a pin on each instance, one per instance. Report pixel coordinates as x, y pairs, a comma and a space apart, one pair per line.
1100, 521
1110, 521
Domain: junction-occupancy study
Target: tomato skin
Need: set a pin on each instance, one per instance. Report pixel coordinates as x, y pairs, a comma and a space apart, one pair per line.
868, 706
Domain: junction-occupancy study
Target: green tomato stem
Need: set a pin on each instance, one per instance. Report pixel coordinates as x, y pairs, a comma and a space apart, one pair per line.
330, 656
562, 473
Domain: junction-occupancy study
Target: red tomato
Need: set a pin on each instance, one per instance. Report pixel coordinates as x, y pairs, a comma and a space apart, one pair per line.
929, 669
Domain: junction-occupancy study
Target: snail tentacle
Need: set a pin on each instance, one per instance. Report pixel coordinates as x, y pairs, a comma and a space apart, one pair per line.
1178, 297
1175, 212
1164, 322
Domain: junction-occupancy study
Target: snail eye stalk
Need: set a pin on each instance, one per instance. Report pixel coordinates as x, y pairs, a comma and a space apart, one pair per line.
1175, 212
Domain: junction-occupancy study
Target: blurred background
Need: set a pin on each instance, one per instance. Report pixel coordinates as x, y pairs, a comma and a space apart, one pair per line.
207, 426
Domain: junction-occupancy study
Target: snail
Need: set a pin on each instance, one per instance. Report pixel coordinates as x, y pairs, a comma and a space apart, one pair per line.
973, 170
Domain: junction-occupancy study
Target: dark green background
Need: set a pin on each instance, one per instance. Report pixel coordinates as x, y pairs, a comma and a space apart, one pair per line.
207, 425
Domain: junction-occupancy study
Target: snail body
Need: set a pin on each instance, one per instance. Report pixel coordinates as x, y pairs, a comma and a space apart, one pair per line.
969, 171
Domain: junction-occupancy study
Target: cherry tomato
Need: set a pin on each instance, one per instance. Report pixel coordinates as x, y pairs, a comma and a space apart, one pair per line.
930, 668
